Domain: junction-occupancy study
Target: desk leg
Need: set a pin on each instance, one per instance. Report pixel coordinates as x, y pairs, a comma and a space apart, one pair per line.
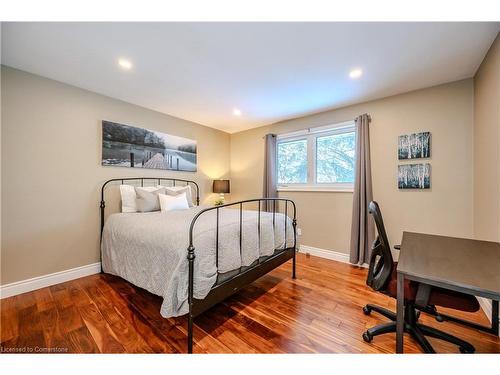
400, 313
495, 317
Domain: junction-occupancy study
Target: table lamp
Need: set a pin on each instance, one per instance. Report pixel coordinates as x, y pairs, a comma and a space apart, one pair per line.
221, 187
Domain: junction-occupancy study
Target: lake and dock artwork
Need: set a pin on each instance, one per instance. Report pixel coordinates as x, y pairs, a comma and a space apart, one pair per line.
129, 146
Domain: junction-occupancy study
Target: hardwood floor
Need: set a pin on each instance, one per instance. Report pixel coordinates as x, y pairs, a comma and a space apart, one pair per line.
320, 311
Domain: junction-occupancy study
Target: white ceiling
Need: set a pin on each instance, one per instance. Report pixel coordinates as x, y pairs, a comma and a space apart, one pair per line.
270, 71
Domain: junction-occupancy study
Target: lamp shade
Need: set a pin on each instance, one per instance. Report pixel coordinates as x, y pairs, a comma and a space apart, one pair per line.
221, 186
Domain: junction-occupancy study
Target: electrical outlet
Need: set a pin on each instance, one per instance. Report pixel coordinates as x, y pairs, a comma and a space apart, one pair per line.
299, 232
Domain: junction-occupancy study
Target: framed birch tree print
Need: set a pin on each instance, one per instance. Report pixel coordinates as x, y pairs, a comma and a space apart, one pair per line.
414, 146
414, 176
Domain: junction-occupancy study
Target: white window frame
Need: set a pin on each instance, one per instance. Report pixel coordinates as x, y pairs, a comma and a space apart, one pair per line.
311, 135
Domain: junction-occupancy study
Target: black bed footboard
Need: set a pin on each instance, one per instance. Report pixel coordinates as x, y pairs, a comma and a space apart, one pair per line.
229, 284
245, 275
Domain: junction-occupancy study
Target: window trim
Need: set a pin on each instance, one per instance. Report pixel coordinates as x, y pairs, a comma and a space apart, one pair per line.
311, 136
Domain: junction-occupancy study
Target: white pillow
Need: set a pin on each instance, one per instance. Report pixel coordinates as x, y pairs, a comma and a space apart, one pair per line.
171, 203
176, 190
129, 196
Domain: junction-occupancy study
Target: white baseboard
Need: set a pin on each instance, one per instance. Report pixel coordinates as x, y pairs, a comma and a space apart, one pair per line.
35, 283
322, 253
486, 306
327, 254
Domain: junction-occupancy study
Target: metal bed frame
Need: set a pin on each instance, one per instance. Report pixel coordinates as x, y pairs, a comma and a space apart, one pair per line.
246, 275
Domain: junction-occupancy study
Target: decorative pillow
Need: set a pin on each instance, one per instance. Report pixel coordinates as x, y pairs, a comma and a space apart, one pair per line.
129, 197
171, 203
147, 201
176, 190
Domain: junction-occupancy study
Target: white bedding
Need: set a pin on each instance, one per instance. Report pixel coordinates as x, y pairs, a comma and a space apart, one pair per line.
150, 249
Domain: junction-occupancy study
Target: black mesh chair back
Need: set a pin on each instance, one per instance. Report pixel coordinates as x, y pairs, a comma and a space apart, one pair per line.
381, 262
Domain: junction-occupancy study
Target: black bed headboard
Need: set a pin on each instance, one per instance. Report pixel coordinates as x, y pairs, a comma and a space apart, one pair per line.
142, 179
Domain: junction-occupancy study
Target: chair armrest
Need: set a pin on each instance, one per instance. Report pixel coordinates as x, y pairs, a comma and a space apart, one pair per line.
397, 247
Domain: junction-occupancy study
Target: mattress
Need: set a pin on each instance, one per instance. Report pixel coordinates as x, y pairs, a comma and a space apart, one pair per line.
150, 249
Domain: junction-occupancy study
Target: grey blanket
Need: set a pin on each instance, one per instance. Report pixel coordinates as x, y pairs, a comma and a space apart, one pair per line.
150, 249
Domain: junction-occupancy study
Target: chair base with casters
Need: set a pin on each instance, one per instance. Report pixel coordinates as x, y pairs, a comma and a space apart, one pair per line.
382, 277
417, 330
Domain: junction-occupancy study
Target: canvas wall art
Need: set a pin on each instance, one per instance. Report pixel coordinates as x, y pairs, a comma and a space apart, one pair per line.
129, 146
414, 146
414, 176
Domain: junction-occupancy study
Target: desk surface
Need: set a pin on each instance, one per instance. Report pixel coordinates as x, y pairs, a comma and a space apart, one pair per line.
455, 263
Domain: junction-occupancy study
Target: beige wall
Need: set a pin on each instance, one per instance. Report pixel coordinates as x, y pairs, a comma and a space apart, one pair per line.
51, 172
51, 169
487, 146
325, 218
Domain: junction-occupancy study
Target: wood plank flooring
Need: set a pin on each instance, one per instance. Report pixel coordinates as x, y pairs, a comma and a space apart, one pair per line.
318, 312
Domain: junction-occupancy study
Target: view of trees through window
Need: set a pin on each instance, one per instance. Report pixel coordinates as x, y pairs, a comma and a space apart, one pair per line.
292, 162
331, 161
335, 158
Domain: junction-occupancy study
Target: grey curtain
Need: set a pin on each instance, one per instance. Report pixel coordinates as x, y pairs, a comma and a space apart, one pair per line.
362, 228
270, 179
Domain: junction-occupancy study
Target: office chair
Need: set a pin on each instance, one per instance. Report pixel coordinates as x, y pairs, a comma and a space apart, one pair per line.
382, 277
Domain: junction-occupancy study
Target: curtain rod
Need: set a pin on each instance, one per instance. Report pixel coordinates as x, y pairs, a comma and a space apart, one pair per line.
317, 128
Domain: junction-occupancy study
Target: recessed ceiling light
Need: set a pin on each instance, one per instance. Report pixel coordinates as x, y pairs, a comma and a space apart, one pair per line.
125, 64
355, 73
236, 112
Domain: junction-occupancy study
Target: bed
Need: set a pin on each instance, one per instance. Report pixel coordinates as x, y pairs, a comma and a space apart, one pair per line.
196, 258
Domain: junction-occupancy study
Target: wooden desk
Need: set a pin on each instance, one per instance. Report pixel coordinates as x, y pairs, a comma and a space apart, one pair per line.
463, 265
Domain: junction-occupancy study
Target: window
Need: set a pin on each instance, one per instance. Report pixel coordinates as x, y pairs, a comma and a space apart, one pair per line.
335, 158
292, 161
317, 159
